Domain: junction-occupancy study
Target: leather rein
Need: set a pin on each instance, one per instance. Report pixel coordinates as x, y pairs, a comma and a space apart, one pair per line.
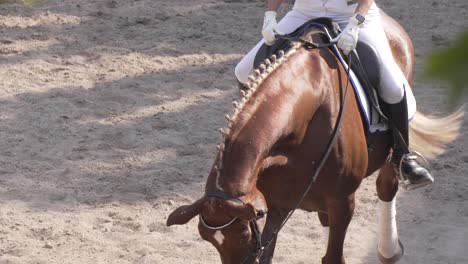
260, 247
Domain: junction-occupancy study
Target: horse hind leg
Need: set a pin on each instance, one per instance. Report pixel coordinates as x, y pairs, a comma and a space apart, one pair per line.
340, 212
389, 248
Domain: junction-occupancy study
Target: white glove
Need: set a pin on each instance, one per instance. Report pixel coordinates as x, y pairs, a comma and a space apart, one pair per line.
348, 38
270, 28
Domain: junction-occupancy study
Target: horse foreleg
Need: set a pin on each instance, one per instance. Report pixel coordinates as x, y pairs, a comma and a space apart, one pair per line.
274, 220
340, 212
390, 249
323, 217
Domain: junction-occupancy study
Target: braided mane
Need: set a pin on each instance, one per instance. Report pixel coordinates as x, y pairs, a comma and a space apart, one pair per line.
256, 78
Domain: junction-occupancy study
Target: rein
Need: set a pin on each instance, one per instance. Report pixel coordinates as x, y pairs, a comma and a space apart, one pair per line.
331, 143
260, 248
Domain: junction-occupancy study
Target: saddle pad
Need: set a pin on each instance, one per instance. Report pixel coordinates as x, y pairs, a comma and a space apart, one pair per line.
370, 116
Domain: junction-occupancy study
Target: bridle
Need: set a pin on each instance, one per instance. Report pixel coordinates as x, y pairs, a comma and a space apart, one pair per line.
257, 235
215, 227
260, 247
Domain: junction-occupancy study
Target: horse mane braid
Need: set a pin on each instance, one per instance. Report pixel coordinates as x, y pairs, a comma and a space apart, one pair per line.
256, 78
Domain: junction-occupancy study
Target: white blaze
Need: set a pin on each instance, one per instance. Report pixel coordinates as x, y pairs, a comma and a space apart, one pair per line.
219, 237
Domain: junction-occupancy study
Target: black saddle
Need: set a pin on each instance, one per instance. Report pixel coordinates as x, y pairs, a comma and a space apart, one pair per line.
286, 42
366, 62
368, 65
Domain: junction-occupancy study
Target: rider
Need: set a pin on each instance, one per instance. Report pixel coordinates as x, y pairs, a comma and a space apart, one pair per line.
359, 18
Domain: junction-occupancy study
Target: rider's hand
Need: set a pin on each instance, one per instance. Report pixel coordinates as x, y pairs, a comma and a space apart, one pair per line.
270, 28
348, 38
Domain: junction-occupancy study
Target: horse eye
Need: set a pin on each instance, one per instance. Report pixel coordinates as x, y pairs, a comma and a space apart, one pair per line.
261, 213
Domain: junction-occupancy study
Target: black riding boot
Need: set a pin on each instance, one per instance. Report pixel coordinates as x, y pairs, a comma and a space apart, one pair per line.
413, 174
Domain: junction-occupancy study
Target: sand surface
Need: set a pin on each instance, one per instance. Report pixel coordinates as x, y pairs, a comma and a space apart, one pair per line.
108, 119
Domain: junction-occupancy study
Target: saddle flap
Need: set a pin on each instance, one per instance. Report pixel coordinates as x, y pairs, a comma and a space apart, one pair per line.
370, 61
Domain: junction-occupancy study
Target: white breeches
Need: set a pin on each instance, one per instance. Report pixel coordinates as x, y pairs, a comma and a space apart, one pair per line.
392, 78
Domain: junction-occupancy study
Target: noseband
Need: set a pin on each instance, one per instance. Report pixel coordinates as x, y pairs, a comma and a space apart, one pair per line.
225, 197
252, 223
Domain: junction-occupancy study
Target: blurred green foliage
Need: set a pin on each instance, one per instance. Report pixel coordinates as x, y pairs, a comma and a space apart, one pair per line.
451, 65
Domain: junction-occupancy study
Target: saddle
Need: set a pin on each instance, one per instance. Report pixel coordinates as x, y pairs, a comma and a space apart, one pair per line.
365, 65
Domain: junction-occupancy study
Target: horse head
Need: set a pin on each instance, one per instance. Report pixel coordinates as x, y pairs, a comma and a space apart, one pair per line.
232, 225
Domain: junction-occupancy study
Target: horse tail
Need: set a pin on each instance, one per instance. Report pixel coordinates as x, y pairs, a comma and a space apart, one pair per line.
430, 135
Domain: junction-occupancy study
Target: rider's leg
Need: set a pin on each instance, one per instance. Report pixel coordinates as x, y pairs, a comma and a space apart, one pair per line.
392, 91
291, 21
417, 175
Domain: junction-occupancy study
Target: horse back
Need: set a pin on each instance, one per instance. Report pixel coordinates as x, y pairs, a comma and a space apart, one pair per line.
401, 45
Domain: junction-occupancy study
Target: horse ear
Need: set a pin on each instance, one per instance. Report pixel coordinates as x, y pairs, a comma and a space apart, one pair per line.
185, 213
242, 211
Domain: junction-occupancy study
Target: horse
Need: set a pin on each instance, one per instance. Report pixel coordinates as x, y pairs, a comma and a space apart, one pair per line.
275, 141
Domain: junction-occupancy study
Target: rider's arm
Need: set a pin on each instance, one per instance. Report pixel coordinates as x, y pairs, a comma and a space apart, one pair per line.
273, 5
362, 7
270, 26
347, 40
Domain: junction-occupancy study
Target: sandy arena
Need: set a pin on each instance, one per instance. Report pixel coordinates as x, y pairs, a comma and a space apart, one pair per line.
108, 121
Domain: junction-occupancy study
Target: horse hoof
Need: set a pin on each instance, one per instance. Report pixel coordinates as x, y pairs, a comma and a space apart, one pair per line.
393, 259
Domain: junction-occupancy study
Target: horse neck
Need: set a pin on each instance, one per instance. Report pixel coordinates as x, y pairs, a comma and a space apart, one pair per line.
250, 139
267, 118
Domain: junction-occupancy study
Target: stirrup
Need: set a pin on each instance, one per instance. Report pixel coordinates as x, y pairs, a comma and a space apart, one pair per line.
404, 181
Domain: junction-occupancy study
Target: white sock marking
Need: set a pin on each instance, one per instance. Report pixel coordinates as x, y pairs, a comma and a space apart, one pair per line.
325, 234
387, 237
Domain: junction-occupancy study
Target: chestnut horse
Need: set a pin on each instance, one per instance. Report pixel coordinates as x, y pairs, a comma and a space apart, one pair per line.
275, 142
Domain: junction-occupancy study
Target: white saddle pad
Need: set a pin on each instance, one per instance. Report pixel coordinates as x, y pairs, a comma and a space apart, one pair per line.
372, 119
